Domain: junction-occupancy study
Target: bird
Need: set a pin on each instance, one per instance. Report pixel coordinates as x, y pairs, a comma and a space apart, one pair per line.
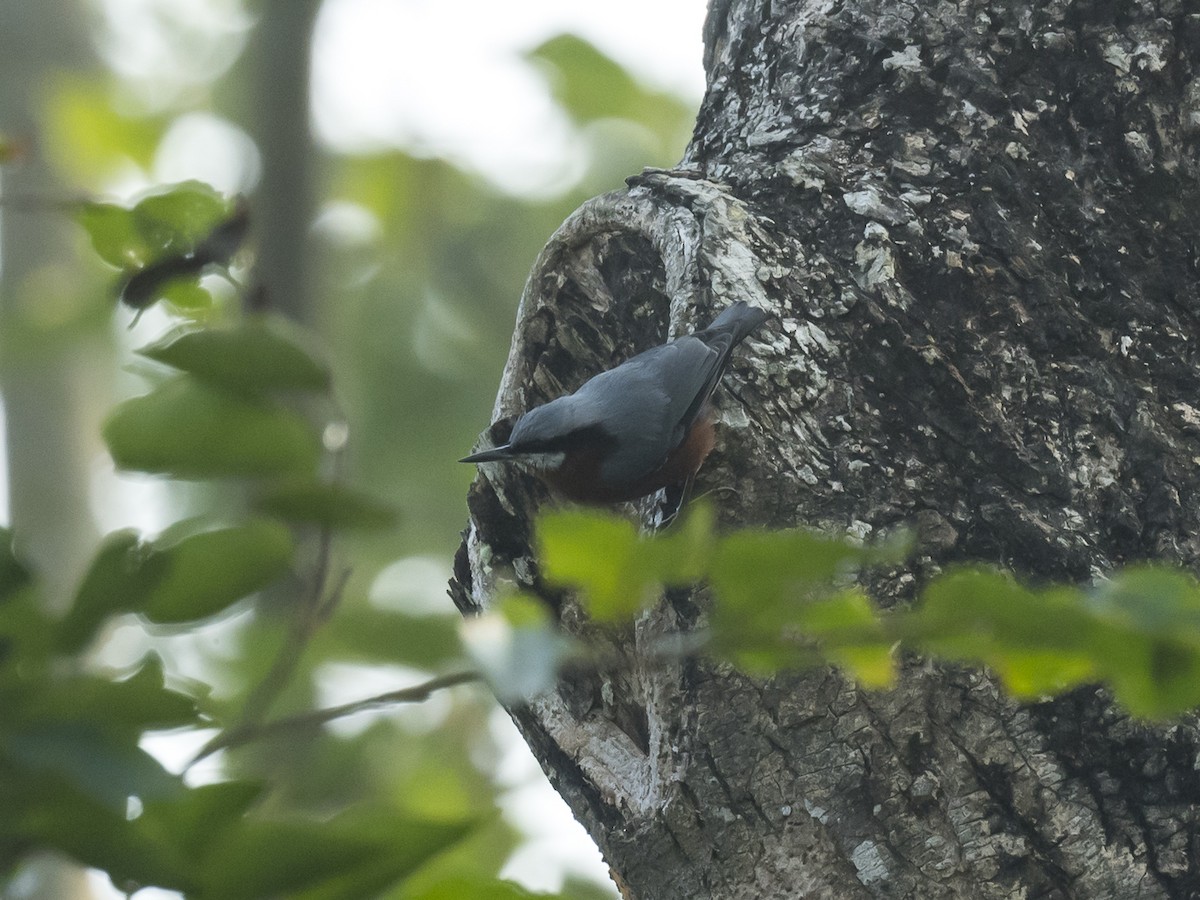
634, 429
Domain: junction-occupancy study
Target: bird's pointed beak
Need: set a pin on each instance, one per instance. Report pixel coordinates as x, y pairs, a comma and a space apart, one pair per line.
496, 453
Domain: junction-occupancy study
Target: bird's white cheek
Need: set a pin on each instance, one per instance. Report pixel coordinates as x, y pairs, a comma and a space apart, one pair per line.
543, 461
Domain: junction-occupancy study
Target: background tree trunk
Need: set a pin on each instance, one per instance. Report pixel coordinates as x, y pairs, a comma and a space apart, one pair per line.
52, 399
277, 116
978, 221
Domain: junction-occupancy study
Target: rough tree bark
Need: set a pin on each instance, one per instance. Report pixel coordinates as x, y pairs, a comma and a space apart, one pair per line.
978, 220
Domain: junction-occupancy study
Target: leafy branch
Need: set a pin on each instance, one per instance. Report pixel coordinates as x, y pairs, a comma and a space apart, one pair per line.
790, 599
222, 406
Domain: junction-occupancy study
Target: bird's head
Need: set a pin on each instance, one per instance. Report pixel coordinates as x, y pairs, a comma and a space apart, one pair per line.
541, 439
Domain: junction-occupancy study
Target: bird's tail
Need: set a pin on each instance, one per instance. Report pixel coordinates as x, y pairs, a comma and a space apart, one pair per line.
727, 330
733, 325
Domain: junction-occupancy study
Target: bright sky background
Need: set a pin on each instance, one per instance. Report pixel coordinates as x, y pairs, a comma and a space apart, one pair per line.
439, 78
443, 78
449, 78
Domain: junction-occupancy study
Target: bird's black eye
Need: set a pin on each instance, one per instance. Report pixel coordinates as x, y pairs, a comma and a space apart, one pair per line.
532, 446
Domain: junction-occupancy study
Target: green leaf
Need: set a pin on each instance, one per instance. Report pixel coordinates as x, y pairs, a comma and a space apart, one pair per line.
579, 888
13, 573
682, 553
330, 505
1036, 641
43, 811
1139, 632
344, 859
165, 242
361, 632
252, 357
596, 553
189, 430
753, 569
763, 582
175, 219
1153, 600
478, 889
27, 637
591, 86
618, 571
850, 634
114, 234
1154, 678
186, 295
1146, 642
194, 820
207, 572
138, 703
413, 845
270, 859
120, 579
778, 604
106, 767
165, 226
162, 278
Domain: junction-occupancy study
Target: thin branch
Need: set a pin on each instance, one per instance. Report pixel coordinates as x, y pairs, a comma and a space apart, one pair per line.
665, 649
39, 203
250, 732
310, 616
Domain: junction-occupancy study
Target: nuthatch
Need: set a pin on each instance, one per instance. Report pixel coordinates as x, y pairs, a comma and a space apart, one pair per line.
634, 429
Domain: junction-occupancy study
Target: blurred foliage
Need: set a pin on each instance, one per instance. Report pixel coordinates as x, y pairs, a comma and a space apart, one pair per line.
71, 764
592, 87
73, 776
782, 600
89, 130
313, 485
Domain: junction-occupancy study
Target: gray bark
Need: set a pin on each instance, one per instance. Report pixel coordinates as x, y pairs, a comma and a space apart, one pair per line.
978, 222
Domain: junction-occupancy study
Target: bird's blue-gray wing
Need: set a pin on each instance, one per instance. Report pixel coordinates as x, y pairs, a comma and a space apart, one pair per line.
650, 401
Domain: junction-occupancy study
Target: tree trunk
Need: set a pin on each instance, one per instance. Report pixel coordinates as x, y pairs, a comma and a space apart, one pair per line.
51, 397
279, 60
978, 222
